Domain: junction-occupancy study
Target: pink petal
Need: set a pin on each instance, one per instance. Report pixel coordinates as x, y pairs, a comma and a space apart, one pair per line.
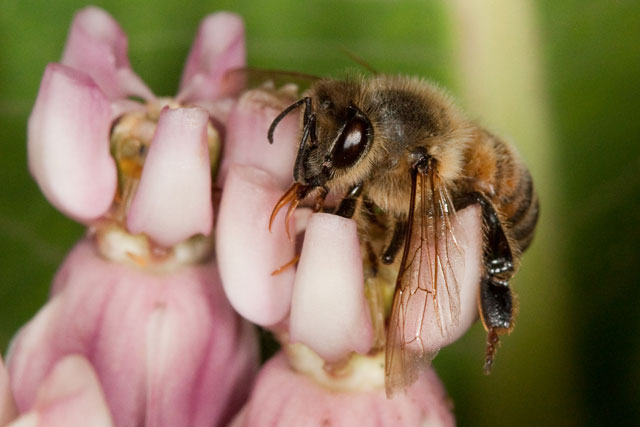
218, 48
8, 409
282, 397
246, 141
87, 290
329, 312
68, 144
69, 396
196, 374
165, 346
97, 45
218, 110
173, 201
248, 253
471, 220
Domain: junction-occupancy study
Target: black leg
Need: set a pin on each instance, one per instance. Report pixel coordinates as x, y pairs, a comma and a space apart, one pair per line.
498, 258
397, 239
347, 207
373, 260
496, 298
496, 306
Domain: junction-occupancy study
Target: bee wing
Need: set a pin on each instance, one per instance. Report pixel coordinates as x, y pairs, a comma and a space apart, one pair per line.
427, 295
252, 77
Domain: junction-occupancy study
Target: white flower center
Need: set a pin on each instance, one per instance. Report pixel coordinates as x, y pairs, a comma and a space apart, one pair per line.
358, 373
131, 137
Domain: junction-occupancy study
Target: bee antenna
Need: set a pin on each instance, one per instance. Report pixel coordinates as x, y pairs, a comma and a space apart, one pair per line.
282, 115
358, 60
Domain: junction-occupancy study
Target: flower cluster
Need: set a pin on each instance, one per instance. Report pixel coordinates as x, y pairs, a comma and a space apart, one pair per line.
137, 317
138, 329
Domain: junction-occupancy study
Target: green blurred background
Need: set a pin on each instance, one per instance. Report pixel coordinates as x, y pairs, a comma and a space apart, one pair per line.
561, 78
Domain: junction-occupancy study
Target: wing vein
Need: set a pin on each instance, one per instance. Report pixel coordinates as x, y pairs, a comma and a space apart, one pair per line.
427, 299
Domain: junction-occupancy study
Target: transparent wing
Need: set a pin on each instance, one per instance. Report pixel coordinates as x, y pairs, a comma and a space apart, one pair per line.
251, 77
426, 304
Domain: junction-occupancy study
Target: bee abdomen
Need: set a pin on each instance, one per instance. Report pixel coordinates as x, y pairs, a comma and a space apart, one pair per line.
522, 210
497, 170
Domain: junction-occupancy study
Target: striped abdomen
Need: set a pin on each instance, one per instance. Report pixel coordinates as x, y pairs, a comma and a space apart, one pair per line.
497, 171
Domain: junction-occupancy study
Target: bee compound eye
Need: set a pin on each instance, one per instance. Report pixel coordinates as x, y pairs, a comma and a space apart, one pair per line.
351, 144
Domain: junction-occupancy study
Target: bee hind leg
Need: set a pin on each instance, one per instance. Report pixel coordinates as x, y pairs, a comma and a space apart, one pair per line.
496, 312
496, 301
496, 298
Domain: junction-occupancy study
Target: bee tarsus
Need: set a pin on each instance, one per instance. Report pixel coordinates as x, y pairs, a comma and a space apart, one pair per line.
496, 312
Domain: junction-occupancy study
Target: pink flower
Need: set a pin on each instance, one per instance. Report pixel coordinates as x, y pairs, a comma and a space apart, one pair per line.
329, 319
82, 98
285, 397
70, 396
140, 297
8, 409
167, 347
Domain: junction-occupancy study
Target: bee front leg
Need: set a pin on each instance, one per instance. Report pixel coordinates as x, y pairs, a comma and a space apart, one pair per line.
496, 301
318, 202
349, 203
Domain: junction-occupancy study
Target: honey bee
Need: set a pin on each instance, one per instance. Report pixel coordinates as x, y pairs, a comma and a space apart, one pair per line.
398, 148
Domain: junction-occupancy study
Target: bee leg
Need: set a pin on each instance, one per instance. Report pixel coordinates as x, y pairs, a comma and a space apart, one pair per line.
318, 202
496, 299
347, 207
496, 312
399, 234
372, 259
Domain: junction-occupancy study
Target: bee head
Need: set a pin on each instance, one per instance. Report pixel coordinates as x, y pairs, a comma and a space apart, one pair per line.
335, 136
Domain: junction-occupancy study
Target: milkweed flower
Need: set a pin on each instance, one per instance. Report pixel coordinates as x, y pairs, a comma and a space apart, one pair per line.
69, 396
286, 396
328, 314
8, 409
140, 296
